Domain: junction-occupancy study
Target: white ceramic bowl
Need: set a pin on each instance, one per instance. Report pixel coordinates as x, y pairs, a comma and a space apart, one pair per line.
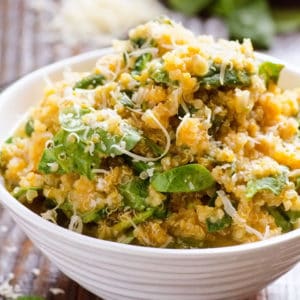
117, 271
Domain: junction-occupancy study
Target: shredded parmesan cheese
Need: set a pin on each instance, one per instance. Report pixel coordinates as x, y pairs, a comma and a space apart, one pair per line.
139, 52
76, 224
231, 211
222, 72
50, 215
100, 171
148, 159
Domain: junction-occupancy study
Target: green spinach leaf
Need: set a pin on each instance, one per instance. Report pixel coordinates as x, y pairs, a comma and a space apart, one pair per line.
90, 82
160, 76
21, 191
75, 150
137, 219
281, 219
29, 127
141, 63
232, 78
183, 179
218, 225
108, 142
270, 71
153, 146
273, 184
67, 156
135, 193
94, 215
9, 140
293, 215
66, 207
138, 42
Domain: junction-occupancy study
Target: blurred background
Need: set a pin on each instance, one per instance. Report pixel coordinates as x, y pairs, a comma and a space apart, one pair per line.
34, 33
37, 32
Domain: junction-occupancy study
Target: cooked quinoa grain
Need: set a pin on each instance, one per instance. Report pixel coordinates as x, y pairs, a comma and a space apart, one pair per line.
171, 141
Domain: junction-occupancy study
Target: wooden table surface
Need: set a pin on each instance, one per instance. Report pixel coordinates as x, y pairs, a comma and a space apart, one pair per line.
22, 49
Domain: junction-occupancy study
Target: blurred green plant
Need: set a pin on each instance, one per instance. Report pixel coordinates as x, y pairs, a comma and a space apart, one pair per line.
253, 19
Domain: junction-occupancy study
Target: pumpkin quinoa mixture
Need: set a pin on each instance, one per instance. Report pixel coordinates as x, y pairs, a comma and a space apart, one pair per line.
172, 140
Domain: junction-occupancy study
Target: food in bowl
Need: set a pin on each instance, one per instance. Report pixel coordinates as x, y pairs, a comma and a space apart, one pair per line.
171, 141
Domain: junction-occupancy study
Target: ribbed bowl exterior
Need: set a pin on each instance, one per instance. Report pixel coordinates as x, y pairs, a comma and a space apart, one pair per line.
115, 271
111, 274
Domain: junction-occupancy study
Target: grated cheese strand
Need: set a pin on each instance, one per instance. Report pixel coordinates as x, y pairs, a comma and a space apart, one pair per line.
222, 72
76, 224
148, 159
231, 211
100, 171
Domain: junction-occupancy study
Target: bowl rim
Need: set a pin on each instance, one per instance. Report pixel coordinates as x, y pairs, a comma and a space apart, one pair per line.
27, 215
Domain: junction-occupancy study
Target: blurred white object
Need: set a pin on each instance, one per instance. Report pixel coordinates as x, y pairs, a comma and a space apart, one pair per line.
94, 22
118, 271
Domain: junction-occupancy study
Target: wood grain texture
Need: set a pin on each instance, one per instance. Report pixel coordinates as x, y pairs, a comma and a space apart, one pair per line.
23, 49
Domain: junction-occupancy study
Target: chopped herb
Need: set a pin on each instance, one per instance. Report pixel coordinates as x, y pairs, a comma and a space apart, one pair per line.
220, 224
161, 211
183, 179
139, 166
125, 58
135, 193
90, 82
94, 215
141, 63
139, 218
281, 219
29, 127
212, 200
126, 101
67, 208
9, 140
273, 184
21, 191
297, 184
138, 42
232, 78
270, 71
153, 146
160, 76
293, 215
216, 124
191, 109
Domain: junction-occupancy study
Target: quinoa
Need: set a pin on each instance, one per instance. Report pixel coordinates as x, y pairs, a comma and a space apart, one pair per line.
174, 140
